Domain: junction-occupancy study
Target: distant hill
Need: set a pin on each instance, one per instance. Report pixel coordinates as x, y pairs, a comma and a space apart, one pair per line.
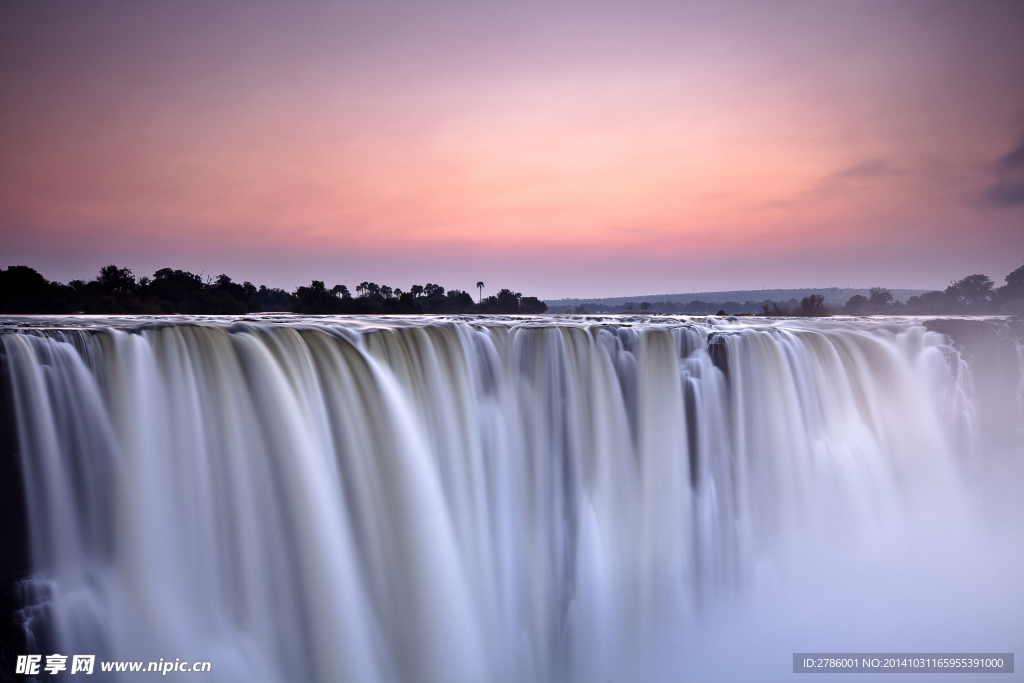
738, 300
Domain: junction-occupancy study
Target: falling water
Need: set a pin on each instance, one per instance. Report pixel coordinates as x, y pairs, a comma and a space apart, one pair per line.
518, 500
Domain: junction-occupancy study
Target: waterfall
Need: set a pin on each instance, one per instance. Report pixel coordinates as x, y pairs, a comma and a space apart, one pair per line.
517, 500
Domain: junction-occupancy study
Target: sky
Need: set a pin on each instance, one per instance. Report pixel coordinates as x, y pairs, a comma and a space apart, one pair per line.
571, 149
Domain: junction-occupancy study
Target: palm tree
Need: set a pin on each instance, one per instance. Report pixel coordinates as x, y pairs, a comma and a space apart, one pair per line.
480, 286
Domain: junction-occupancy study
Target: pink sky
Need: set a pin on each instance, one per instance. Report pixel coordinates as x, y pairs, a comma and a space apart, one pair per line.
570, 149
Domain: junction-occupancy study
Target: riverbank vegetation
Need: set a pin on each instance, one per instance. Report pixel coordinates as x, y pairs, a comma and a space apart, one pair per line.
972, 295
117, 291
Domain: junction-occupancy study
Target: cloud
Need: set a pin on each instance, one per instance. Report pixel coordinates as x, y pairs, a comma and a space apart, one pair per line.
841, 181
1005, 194
866, 170
1008, 191
1014, 161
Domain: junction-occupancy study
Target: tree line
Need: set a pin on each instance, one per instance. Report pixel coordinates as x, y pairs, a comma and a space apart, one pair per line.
974, 294
694, 307
117, 291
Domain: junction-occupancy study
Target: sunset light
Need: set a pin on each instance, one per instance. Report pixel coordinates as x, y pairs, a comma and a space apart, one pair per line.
650, 147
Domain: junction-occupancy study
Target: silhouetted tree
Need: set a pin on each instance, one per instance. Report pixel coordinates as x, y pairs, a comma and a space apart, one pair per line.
508, 300
112, 278
458, 299
857, 304
274, 299
316, 299
775, 309
480, 287
407, 303
225, 296
1014, 287
21, 280
115, 290
175, 286
813, 306
23, 290
972, 292
369, 290
880, 297
531, 304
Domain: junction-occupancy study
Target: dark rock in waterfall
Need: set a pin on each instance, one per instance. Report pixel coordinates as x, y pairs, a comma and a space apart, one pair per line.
719, 352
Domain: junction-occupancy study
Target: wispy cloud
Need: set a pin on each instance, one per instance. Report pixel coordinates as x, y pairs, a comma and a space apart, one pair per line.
1013, 161
1008, 190
865, 170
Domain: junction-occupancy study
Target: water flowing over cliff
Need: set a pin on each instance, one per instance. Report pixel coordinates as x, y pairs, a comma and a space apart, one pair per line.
513, 500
